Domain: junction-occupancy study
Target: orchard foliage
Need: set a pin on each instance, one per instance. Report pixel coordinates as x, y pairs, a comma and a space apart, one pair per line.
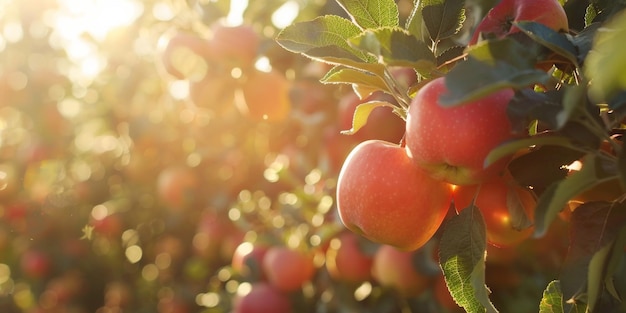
569, 97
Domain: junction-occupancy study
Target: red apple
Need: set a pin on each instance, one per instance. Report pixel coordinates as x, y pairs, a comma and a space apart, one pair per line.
287, 269
451, 143
493, 200
262, 298
498, 20
384, 197
346, 261
395, 269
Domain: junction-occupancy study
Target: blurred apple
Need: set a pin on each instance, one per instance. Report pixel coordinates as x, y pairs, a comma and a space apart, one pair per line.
247, 260
235, 46
177, 187
288, 269
35, 264
395, 269
184, 55
262, 298
266, 96
216, 236
347, 261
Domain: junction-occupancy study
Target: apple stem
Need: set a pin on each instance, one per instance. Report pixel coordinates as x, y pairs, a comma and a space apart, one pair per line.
401, 96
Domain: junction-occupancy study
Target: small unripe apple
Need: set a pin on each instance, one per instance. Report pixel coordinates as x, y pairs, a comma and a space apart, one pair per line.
451, 143
384, 197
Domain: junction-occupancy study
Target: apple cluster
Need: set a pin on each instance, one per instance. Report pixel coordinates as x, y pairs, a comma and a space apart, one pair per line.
399, 194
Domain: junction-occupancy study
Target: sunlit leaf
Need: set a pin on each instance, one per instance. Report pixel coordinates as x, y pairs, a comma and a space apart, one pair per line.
396, 47
326, 39
462, 258
362, 113
363, 80
590, 14
372, 13
415, 22
552, 299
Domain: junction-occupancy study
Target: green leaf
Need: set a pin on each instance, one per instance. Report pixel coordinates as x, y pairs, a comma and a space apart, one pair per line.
493, 65
518, 218
593, 226
370, 14
511, 147
583, 41
362, 113
396, 47
360, 80
614, 262
590, 14
574, 101
462, 258
552, 299
555, 198
595, 275
443, 18
550, 39
326, 39
605, 65
415, 22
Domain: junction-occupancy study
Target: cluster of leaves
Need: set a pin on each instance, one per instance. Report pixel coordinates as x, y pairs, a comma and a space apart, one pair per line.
574, 107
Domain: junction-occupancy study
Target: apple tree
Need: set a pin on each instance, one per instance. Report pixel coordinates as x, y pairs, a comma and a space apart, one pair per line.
561, 143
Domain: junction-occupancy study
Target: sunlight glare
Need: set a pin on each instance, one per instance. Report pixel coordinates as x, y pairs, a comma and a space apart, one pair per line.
235, 15
98, 17
286, 14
